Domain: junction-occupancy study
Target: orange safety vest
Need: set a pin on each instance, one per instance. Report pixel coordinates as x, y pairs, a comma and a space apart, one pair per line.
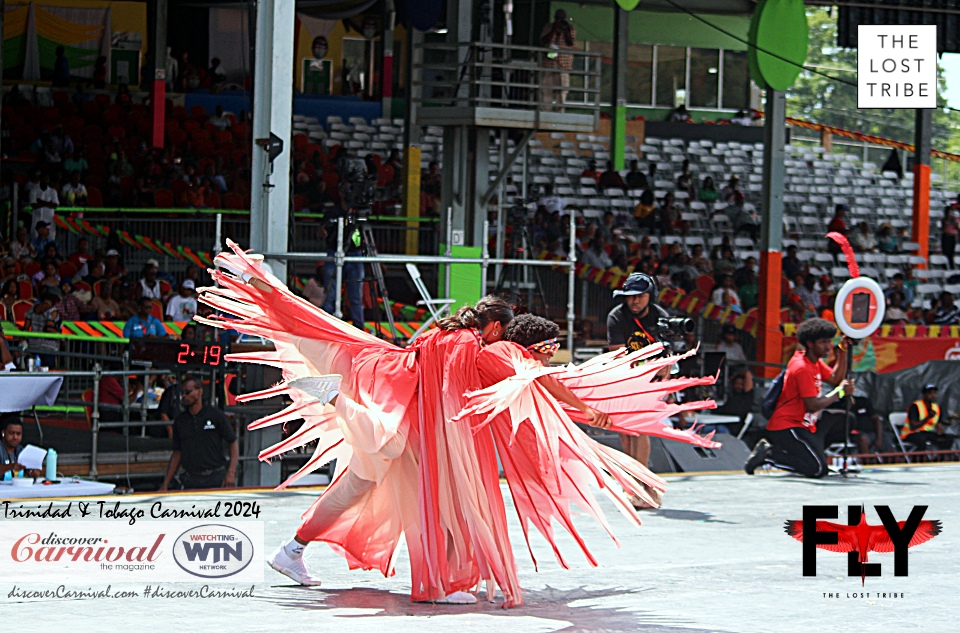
922, 411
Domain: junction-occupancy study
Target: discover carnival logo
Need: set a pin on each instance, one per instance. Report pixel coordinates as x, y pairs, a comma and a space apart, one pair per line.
213, 551
71, 551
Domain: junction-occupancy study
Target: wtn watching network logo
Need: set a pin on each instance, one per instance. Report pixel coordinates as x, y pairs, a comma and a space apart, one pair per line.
858, 538
213, 551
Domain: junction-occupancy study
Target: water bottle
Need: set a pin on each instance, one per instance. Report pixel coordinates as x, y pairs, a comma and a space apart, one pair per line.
51, 464
37, 363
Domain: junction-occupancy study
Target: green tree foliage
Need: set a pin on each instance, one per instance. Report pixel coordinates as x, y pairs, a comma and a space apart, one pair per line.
824, 100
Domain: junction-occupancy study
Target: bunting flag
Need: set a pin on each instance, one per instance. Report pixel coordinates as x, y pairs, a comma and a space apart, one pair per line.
203, 259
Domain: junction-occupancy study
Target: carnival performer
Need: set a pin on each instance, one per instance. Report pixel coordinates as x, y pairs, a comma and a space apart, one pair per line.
407, 463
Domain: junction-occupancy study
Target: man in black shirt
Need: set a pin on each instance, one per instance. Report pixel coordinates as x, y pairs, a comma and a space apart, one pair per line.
199, 433
633, 324
352, 271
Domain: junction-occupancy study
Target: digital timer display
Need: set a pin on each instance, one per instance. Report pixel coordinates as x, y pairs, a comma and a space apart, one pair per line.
168, 353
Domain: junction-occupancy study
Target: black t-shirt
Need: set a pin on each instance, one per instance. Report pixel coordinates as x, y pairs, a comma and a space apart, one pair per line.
200, 439
738, 403
170, 402
625, 328
349, 228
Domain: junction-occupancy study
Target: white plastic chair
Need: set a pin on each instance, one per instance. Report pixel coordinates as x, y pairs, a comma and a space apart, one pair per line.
437, 307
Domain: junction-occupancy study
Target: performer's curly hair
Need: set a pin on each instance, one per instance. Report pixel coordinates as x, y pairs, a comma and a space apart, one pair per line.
487, 310
813, 330
527, 329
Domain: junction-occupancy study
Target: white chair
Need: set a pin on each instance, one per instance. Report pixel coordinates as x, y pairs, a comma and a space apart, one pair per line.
437, 307
897, 420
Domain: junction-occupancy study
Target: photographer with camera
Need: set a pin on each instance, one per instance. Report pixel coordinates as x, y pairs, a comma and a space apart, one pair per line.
356, 194
559, 35
634, 324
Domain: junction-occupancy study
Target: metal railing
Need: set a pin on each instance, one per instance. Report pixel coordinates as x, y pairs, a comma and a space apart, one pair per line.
474, 74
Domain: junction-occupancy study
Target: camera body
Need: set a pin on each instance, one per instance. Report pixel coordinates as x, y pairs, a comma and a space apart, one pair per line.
357, 186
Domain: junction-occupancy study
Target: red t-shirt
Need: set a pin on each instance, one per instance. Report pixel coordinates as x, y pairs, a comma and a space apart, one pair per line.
803, 380
837, 225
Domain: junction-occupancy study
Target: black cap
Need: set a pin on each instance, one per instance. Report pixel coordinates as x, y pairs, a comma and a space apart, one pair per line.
929, 387
636, 284
41, 224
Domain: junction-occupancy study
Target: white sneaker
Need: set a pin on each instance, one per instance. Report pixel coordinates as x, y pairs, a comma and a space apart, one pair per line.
459, 597
292, 568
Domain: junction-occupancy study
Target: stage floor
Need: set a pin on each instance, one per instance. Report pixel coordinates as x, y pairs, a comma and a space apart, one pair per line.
715, 558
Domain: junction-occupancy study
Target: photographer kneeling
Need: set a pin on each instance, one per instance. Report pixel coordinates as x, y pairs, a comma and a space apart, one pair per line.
355, 197
797, 442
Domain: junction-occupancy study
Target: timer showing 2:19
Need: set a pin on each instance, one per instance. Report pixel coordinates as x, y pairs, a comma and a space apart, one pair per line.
211, 355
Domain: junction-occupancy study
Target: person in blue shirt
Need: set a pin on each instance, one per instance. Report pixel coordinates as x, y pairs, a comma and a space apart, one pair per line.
43, 238
143, 324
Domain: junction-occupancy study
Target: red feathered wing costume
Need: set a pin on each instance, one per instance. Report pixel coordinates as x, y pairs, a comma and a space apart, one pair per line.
416, 433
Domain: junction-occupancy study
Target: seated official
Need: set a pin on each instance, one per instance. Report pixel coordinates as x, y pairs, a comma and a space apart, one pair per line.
923, 425
739, 400
10, 449
199, 433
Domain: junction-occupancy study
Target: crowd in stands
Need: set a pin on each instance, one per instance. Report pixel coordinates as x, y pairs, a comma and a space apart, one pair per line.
41, 287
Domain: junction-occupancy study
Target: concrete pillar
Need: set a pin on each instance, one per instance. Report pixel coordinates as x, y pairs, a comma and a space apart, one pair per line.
618, 113
411, 139
770, 344
921, 182
273, 96
158, 100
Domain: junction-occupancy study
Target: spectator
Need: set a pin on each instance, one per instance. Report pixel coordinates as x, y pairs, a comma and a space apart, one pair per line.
44, 200
143, 324
791, 263
869, 426
726, 264
685, 179
796, 443
923, 425
740, 274
50, 253
732, 193
111, 264
31, 185
549, 201
948, 235
739, 400
74, 192
220, 120
729, 345
610, 179
9, 294
668, 216
43, 317
886, 240
81, 256
199, 434
837, 225
591, 171
21, 249
725, 295
863, 240
188, 78
699, 261
218, 180
708, 191
148, 285
896, 312
61, 142
216, 75
645, 250
680, 114
749, 290
807, 290
183, 307
77, 162
606, 228
560, 35
100, 73
46, 276
61, 69
595, 255
106, 306
796, 311
636, 179
70, 307
643, 213
944, 312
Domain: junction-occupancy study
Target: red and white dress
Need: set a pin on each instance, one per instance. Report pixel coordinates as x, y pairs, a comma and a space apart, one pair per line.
417, 432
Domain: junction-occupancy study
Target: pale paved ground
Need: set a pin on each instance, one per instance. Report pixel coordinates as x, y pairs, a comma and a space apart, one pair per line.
715, 559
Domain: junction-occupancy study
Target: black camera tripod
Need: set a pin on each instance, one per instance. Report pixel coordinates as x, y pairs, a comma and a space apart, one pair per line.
511, 287
368, 246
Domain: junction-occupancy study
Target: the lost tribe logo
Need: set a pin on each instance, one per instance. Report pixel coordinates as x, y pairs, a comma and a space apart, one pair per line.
213, 551
858, 538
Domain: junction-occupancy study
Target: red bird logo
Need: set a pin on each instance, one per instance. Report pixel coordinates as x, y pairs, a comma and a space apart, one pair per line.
863, 537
